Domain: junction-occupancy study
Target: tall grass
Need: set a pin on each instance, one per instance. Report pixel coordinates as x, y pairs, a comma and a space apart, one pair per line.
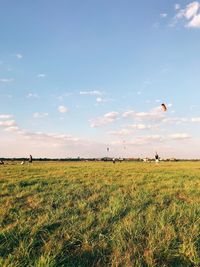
100, 214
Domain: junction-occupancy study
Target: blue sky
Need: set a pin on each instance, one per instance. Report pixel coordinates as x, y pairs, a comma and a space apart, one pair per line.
77, 77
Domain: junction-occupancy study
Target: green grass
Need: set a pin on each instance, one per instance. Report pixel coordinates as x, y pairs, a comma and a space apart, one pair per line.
100, 214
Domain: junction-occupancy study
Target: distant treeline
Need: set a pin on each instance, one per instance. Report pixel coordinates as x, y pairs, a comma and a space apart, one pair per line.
92, 159
45, 159
72, 159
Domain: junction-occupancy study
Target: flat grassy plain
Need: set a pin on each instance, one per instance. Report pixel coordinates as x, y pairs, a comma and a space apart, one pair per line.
100, 214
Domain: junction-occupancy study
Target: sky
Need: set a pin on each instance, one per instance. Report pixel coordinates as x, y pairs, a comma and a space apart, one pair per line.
87, 78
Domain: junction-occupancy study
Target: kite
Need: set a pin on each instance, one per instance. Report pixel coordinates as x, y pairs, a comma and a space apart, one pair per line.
164, 107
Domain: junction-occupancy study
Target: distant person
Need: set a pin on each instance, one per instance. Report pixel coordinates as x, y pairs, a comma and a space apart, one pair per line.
156, 157
23, 162
113, 160
30, 159
1, 162
145, 159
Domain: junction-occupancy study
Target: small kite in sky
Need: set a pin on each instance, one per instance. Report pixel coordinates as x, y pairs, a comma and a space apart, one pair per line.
164, 108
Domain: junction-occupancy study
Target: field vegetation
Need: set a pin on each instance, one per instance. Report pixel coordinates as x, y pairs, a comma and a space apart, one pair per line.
100, 214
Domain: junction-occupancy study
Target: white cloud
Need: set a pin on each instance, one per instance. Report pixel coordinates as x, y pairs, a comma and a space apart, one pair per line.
195, 119
111, 115
144, 140
129, 129
5, 80
21, 142
191, 14
63, 109
163, 15
176, 120
177, 6
181, 120
141, 126
99, 100
19, 56
122, 132
32, 95
129, 113
11, 126
17, 141
155, 114
195, 22
41, 75
105, 119
38, 115
151, 138
191, 10
7, 123
50, 136
94, 92
179, 136
5, 116
12, 129
154, 139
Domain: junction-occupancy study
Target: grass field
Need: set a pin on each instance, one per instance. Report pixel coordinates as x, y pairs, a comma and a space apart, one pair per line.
100, 214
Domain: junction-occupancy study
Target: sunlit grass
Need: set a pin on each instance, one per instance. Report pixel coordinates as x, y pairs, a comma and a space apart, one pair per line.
100, 214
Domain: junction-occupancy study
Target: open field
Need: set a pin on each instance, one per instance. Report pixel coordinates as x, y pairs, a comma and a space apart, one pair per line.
100, 214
